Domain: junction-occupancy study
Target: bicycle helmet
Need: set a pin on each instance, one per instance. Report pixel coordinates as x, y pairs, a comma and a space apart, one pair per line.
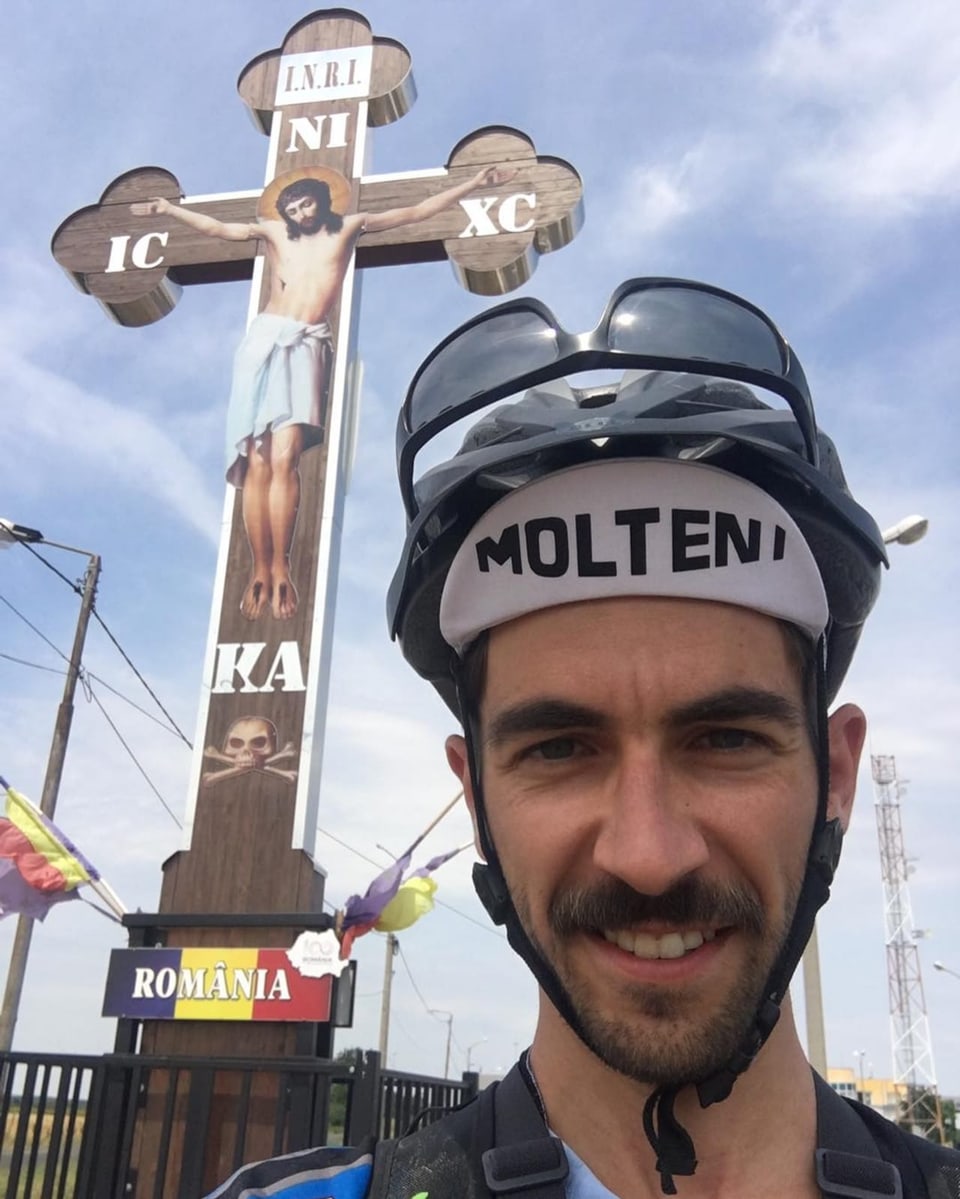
685, 409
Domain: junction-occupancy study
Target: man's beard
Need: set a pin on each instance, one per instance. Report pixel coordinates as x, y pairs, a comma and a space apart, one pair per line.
306, 228
683, 1035
312, 224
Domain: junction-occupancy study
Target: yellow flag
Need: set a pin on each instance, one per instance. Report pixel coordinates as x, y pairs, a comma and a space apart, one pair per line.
413, 900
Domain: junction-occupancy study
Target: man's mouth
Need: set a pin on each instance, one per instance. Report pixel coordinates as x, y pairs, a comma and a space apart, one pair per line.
670, 945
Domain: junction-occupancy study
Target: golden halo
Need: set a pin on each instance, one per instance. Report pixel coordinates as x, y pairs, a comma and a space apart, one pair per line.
339, 190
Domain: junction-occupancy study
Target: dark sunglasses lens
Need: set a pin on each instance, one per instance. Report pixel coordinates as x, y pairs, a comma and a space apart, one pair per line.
683, 322
481, 358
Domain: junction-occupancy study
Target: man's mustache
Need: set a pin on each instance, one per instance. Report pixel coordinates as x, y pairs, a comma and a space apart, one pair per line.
613, 904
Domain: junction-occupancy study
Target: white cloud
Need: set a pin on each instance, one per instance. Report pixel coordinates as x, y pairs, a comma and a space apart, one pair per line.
655, 198
106, 439
882, 97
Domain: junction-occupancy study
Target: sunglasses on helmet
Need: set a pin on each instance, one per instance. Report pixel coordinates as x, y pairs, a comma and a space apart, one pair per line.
648, 324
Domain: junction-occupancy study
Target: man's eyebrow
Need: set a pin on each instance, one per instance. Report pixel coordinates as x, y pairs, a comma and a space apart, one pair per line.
541, 716
740, 703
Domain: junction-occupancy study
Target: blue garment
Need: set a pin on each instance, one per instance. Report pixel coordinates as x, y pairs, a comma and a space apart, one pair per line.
309, 1174
346, 1174
581, 1182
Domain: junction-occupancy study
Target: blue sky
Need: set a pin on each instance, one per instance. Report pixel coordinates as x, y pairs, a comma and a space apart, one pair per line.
802, 154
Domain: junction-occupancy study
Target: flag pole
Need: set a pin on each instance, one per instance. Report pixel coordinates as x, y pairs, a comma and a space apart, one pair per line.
433, 824
109, 897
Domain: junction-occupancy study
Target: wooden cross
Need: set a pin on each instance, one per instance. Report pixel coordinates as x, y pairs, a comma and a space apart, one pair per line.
491, 211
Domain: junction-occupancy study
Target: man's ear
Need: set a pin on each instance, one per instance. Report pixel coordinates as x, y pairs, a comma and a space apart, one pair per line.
847, 730
456, 748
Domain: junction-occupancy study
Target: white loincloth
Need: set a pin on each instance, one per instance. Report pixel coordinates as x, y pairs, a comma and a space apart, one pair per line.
280, 377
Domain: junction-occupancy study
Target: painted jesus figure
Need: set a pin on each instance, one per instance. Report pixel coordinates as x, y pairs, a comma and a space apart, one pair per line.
282, 367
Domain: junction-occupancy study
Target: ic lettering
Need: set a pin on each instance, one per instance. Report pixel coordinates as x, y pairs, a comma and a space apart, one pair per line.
139, 255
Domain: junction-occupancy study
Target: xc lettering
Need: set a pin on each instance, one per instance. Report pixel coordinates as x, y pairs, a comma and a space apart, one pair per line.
506, 218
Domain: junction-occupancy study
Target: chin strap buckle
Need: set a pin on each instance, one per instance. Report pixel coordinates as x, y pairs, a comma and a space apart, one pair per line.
493, 893
826, 852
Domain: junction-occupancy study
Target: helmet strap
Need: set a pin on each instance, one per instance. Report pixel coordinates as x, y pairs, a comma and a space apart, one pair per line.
488, 877
822, 859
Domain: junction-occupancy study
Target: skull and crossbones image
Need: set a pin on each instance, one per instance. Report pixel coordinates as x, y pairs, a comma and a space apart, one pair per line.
250, 744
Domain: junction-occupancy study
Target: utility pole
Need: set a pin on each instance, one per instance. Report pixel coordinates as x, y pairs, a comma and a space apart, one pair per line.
48, 801
385, 996
448, 1018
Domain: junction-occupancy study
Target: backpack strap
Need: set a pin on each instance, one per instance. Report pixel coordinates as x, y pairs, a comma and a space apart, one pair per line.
848, 1163
525, 1157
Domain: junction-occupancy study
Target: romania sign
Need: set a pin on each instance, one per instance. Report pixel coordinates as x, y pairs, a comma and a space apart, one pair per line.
213, 984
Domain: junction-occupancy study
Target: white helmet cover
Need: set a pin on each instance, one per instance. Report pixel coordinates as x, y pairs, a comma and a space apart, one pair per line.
631, 527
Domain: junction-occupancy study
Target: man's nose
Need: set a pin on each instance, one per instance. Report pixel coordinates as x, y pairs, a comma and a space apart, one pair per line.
649, 834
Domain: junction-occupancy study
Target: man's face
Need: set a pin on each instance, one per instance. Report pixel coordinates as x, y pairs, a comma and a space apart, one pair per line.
304, 213
651, 789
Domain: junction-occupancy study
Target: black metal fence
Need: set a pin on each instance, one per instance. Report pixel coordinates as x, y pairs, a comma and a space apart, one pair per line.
126, 1126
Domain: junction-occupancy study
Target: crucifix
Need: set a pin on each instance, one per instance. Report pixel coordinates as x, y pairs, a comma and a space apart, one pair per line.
491, 211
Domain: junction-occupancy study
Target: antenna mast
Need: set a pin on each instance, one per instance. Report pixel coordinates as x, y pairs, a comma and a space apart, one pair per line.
909, 1028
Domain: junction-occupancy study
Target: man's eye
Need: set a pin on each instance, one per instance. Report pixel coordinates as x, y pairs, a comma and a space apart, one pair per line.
556, 749
730, 739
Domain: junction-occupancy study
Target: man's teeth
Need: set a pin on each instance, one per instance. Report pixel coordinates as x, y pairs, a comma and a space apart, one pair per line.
671, 945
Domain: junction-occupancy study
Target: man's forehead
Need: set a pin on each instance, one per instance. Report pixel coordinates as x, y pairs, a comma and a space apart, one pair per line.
595, 642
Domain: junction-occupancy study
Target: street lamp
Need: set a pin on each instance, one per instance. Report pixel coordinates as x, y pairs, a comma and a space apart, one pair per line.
860, 1054
945, 969
905, 532
434, 1011
11, 533
470, 1048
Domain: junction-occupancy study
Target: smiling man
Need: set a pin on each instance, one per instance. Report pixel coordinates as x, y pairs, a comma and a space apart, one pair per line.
640, 599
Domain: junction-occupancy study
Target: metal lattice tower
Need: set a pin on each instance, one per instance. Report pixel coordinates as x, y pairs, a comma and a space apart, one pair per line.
909, 1027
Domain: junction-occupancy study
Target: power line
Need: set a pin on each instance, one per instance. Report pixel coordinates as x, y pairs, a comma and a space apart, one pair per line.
413, 981
74, 586
35, 665
42, 636
123, 654
350, 848
71, 583
132, 755
174, 732
103, 683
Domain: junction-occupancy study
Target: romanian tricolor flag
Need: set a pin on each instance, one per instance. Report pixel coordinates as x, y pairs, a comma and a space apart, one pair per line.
39, 866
